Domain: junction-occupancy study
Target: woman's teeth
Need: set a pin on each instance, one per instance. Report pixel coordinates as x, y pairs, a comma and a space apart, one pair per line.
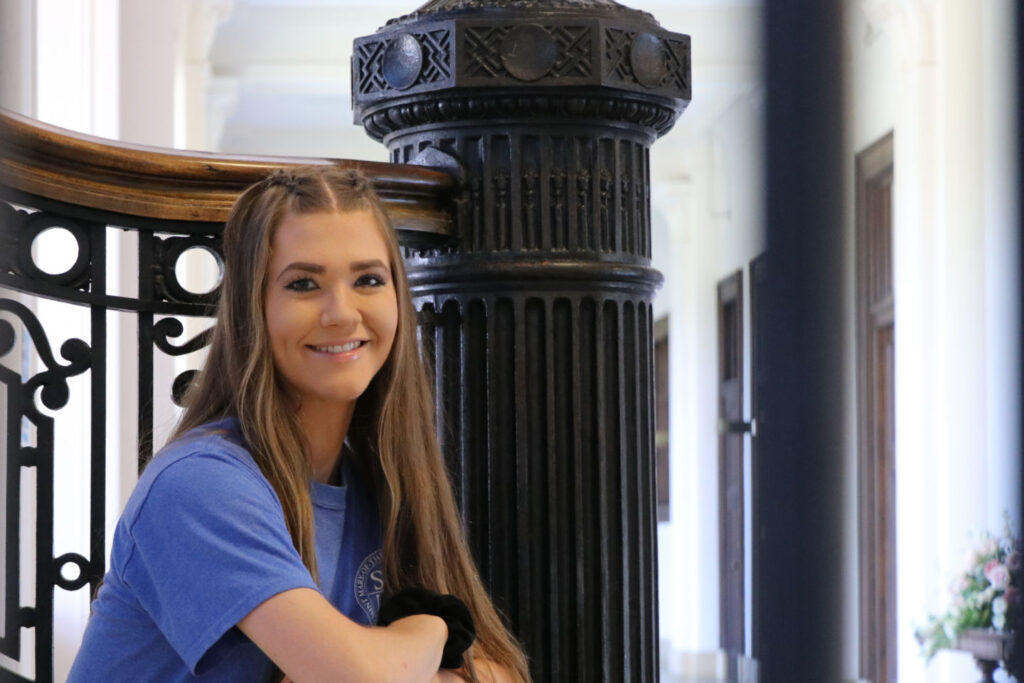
342, 348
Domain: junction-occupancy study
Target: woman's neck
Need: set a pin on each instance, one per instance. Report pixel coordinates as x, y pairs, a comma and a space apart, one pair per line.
325, 425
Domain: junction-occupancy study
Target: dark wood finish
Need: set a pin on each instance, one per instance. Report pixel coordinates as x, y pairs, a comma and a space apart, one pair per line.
62, 165
732, 596
876, 423
662, 418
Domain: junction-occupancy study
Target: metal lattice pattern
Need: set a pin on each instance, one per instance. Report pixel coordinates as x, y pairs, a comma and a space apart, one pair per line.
574, 53
616, 52
368, 58
677, 56
30, 430
368, 61
483, 51
436, 47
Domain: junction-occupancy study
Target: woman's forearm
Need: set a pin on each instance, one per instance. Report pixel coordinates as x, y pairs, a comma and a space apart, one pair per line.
411, 644
310, 642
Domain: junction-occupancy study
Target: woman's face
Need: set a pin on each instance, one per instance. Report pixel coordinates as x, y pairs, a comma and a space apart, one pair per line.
331, 306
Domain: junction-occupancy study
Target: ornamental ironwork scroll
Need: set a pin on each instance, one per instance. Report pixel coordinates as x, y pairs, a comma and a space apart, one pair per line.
29, 430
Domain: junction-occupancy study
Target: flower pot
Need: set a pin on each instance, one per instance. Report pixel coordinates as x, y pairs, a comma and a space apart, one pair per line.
988, 647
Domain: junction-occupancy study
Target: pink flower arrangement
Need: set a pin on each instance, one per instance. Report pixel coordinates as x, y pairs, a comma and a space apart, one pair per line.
997, 574
986, 595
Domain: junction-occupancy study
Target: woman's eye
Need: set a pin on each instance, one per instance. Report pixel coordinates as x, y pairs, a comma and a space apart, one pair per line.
370, 280
302, 284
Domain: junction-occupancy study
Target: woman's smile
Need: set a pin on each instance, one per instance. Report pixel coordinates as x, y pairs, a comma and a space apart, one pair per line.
338, 348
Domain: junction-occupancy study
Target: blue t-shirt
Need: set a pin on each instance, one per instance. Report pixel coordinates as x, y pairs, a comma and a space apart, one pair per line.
200, 544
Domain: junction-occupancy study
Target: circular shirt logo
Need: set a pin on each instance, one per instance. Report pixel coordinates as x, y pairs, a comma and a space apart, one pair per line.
369, 584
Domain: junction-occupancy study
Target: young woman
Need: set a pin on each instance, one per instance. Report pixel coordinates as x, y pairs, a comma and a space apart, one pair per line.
304, 482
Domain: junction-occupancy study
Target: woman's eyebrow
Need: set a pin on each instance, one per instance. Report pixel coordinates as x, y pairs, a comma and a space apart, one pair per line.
368, 264
301, 267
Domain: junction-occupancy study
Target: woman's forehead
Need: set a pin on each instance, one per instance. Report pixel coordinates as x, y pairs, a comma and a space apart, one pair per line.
330, 235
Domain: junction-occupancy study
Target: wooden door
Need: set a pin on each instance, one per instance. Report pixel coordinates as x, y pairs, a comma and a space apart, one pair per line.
730, 464
876, 328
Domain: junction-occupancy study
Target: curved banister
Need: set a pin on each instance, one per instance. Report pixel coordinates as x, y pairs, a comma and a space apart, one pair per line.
153, 182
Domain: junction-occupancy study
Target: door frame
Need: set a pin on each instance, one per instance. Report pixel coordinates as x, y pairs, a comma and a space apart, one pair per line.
875, 464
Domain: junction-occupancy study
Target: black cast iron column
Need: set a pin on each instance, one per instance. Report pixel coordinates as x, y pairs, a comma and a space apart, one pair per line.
538, 314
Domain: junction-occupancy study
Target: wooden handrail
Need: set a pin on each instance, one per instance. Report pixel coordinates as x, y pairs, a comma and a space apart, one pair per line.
153, 182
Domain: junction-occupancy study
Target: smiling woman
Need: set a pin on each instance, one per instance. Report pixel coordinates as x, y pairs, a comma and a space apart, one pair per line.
304, 480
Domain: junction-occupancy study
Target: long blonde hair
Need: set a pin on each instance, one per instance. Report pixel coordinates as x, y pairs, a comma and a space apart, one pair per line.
392, 431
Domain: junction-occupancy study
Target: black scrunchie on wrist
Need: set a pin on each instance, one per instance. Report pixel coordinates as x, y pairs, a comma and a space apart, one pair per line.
461, 630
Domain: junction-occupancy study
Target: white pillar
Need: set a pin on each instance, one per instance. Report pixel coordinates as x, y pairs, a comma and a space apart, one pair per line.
17, 56
915, 215
951, 268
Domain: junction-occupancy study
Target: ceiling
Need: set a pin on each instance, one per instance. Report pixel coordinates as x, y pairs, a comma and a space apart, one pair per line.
279, 72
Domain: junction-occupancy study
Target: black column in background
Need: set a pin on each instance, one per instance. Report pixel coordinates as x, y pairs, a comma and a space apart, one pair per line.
800, 499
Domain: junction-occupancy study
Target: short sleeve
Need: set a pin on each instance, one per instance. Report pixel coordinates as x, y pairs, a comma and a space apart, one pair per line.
209, 545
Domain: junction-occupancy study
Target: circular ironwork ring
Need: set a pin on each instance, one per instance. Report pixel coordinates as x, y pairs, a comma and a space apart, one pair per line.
83, 571
35, 225
175, 247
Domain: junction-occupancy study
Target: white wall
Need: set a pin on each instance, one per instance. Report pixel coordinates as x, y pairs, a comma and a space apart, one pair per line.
936, 74
713, 215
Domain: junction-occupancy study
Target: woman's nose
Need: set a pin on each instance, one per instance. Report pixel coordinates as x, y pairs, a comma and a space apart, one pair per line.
339, 309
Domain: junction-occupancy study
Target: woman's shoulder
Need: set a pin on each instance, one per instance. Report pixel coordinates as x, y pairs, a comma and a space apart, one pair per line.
218, 441
209, 462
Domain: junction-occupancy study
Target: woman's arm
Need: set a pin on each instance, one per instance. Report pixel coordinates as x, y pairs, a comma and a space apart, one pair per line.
310, 641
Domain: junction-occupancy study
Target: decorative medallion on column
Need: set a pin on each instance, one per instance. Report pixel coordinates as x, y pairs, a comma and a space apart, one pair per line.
537, 316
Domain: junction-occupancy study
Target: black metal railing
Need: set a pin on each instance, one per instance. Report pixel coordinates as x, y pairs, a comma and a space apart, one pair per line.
22, 218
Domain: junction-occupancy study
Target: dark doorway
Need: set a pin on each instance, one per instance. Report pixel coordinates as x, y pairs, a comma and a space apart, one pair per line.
876, 326
730, 464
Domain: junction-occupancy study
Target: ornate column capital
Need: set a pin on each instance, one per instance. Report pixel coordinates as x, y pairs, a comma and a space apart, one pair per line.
521, 58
